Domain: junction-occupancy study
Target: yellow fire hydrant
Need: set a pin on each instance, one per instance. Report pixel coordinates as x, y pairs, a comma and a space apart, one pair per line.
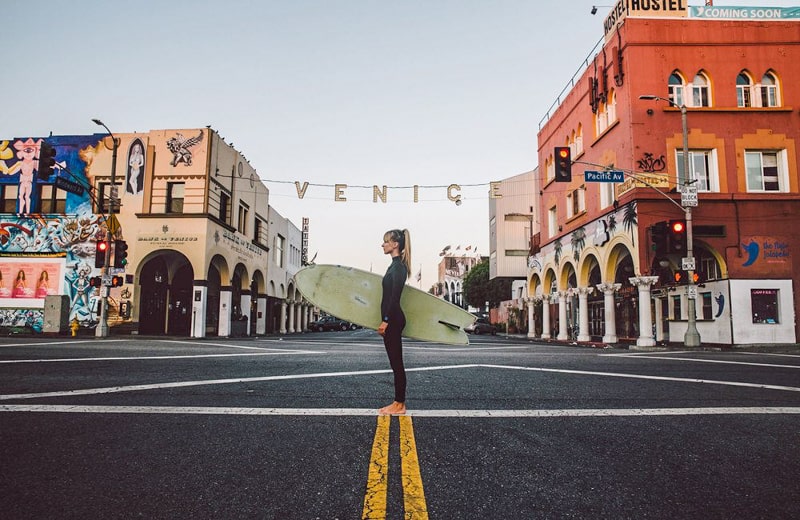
74, 326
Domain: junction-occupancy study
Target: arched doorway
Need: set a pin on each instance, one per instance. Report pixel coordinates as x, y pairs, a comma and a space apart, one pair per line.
153, 301
180, 302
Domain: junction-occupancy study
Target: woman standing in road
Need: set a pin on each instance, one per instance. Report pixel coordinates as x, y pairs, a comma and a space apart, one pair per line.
396, 243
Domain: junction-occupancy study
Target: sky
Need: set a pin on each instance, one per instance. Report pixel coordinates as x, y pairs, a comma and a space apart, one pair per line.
429, 93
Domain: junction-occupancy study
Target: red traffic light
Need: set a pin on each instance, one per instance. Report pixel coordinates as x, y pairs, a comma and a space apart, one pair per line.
677, 226
563, 152
102, 246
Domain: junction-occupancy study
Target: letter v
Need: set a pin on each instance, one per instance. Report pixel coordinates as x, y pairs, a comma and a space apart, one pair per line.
301, 192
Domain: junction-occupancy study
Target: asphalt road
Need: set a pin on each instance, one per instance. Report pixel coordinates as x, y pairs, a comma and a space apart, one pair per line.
287, 429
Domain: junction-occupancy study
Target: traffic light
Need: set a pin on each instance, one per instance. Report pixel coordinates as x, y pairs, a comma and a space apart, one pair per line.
47, 160
682, 277
120, 253
677, 237
100, 253
117, 281
563, 158
658, 238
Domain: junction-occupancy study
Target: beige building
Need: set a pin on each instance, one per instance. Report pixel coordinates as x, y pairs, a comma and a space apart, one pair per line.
207, 254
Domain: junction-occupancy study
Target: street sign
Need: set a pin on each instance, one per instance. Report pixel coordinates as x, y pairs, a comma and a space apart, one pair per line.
604, 176
691, 292
69, 186
113, 224
687, 263
689, 196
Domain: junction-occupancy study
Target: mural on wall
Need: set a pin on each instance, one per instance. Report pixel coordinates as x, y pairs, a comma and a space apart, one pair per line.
605, 229
179, 146
134, 178
766, 250
44, 253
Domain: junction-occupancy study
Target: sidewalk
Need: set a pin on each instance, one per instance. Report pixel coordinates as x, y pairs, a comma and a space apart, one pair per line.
771, 348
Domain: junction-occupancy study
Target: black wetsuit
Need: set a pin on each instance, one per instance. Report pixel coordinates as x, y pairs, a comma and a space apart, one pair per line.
393, 282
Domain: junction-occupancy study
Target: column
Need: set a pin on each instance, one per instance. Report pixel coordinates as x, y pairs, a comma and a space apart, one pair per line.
531, 321
199, 304
644, 283
282, 325
546, 317
609, 313
225, 299
583, 312
290, 311
562, 316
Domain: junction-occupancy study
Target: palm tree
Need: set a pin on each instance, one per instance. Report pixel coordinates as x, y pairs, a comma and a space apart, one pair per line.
629, 220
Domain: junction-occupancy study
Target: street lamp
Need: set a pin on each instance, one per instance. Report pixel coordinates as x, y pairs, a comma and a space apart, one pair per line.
692, 336
102, 328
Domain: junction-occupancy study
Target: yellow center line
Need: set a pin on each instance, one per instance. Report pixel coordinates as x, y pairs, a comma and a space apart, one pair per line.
378, 479
413, 493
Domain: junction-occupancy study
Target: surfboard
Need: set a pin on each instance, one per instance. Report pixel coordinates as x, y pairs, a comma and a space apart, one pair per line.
355, 295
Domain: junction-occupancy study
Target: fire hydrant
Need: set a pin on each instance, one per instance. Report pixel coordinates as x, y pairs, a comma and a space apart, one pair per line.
74, 326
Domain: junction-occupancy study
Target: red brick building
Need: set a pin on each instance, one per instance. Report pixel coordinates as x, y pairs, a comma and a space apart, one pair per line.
602, 273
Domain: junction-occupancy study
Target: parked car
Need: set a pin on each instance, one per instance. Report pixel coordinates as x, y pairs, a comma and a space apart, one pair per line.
481, 326
327, 323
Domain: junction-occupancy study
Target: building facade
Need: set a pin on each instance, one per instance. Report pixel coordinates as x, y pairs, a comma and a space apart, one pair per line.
191, 209
601, 274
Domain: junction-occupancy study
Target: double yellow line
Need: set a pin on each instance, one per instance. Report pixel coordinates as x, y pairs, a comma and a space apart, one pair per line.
378, 480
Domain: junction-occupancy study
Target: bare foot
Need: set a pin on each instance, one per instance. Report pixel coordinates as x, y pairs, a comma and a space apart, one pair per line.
393, 409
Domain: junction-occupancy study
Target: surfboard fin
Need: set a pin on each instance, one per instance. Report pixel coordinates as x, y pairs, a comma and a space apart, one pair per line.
451, 325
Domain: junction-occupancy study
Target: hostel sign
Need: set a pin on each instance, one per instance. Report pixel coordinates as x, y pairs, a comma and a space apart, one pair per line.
645, 9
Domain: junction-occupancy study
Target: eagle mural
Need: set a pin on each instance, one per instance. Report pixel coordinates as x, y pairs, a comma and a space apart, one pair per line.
180, 148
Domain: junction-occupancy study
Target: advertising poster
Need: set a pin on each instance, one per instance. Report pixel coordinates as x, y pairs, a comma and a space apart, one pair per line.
29, 278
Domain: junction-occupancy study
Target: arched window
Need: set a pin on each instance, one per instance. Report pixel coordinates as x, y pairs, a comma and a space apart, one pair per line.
676, 87
701, 91
579, 140
769, 90
744, 90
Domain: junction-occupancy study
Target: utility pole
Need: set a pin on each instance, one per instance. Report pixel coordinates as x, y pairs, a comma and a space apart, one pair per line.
102, 327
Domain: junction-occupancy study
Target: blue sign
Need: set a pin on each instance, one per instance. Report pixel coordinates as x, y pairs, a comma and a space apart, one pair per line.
605, 176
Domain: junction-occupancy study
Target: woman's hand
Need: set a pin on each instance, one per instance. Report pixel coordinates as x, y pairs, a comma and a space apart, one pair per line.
382, 328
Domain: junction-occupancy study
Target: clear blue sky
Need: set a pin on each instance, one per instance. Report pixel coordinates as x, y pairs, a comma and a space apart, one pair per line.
361, 92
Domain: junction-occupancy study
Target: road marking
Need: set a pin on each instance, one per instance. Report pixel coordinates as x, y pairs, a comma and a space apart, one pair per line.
370, 412
71, 342
414, 505
378, 477
142, 358
719, 361
185, 384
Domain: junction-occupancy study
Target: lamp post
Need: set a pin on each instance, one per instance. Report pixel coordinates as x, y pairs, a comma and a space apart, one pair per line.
102, 327
692, 336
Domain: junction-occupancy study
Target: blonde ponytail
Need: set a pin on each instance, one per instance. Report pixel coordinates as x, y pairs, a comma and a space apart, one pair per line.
406, 252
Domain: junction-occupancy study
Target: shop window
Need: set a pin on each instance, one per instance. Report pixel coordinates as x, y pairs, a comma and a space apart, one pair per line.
676, 87
280, 243
10, 193
744, 90
51, 199
244, 212
175, 194
769, 91
763, 171
764, 305
224, 207
677, 312
552, 222
708, 311
104, 196
702, 169
701, 91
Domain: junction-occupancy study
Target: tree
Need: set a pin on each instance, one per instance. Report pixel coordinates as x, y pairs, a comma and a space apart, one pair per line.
478, 289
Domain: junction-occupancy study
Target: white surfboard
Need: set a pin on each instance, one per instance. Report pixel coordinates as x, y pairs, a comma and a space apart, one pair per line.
355, 295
